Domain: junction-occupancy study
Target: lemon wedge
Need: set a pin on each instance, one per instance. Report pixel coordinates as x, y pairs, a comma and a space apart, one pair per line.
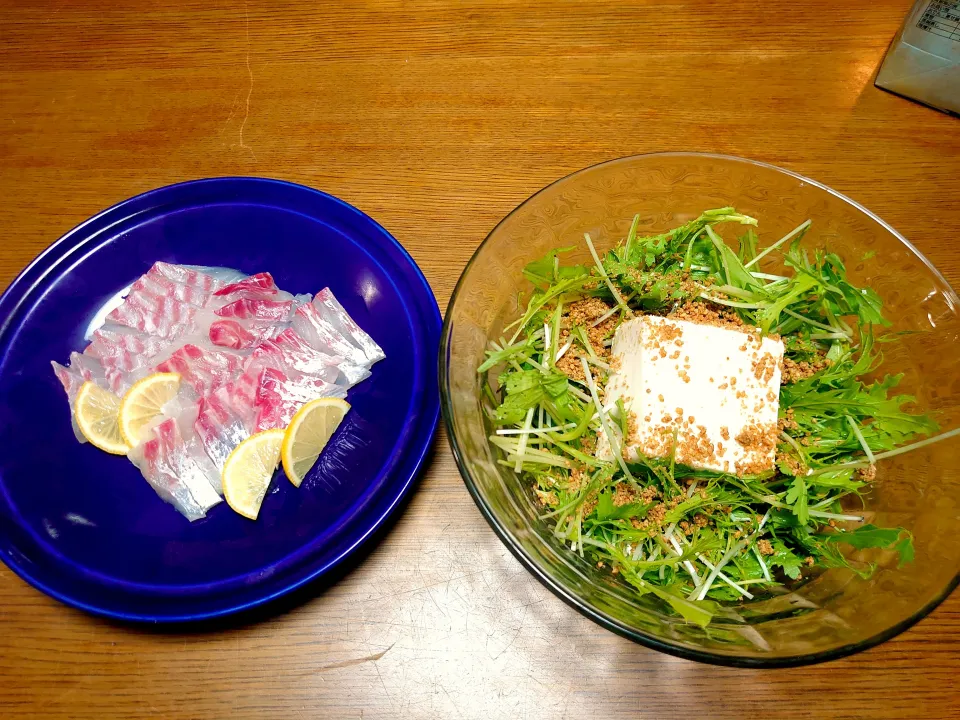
144, 402
248, 469
95, 413
308, 433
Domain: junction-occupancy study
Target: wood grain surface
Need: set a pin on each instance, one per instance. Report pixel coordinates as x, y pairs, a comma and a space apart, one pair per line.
437, 118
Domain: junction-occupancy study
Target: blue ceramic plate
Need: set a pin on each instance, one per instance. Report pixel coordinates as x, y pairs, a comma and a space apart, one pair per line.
84, 526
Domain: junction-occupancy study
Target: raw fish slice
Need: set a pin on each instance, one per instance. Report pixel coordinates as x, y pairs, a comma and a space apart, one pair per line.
116, 381
242, 392
160, 286
88, 367
290, 352
241, 319
203, 278
178, 469
166, 319
198, 339
83, 367
219, 426
70, 378
279, 396
246, 308
119, 381
242, 335
321, 335
161, 305
123, 348
331, 309
203, 370
112, 339
259, 285
231, 334
221, 275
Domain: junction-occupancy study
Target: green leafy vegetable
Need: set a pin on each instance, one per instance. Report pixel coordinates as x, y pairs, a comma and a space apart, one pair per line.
695, 539
871, 536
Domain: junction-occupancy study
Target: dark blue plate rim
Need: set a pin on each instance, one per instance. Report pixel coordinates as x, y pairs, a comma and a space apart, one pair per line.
412, 453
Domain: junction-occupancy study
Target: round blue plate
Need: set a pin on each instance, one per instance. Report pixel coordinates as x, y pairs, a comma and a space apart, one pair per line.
86, 528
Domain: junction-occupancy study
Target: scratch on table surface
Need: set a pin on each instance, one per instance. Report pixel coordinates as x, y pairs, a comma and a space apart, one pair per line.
510, 644
246, 115
233, 109
313, 112
450, 698
428, 585
354, 661
383, 684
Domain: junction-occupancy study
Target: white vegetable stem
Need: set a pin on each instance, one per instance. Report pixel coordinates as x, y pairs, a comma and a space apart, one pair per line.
521, 431
891, 453
686, 563
763, 565
779, 242
820, 325
731, 553
611, 438
861, 440
603, 273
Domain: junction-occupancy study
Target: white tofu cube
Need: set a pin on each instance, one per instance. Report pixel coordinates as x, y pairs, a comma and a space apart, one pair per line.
710, 392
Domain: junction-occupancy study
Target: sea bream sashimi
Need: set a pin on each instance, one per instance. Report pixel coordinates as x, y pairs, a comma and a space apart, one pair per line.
247, 354
179, 469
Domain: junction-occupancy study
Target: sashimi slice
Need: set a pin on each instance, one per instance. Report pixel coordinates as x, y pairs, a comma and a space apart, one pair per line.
202, 369
279, 397
88, 367
119, 382
123, 348
114, 379
70, 378
166, 317
331, 309
178, 469
177, 310
161, 286
221, 275
242, 392
257, 308
239, 335
290, 352
321, 335
231, 334
259, 285
219, 426
188, 275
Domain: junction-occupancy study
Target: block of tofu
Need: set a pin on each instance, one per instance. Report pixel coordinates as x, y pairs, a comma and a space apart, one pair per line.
711, 391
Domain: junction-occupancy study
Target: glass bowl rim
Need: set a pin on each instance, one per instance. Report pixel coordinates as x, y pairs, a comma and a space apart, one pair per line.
560, 590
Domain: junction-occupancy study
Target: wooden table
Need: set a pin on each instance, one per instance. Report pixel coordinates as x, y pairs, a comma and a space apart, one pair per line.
437, 118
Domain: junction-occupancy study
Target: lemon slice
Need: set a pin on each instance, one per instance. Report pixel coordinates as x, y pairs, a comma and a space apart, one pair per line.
308, 433
95, 413
248, 469
144, 402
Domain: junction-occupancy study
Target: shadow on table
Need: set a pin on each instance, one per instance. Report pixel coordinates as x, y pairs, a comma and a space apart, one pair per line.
298, 597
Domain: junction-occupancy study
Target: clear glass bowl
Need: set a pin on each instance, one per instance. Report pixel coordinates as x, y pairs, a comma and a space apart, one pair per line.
834, 614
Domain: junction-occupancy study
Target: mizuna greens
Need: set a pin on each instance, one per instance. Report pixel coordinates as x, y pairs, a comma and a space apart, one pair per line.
692, 537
